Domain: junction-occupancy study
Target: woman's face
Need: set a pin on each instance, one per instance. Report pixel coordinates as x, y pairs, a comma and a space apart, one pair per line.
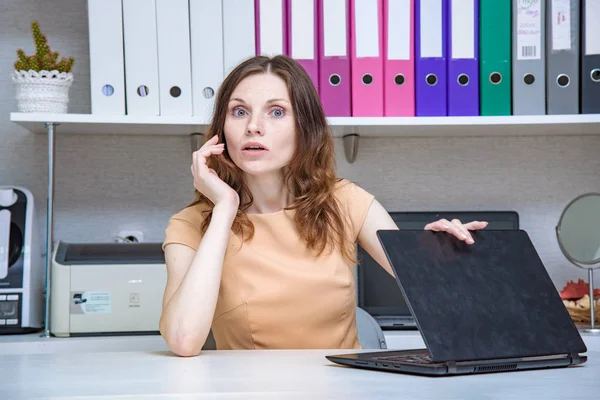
259, 126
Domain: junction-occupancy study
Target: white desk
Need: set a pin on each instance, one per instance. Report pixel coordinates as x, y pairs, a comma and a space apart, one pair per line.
304, 374
34, 344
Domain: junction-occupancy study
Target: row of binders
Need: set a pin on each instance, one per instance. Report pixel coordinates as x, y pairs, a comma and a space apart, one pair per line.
365, 57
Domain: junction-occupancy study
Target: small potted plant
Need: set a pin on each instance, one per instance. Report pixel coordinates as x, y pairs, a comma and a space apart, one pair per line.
42, 81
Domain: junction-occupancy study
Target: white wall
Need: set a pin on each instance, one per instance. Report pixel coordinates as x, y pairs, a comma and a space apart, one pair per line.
108, 183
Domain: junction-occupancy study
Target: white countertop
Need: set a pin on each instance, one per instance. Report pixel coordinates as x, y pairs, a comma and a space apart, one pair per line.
33, 367
34, 343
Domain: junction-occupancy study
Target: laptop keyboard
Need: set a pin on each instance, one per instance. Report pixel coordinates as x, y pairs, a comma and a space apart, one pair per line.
410, 358
393, 318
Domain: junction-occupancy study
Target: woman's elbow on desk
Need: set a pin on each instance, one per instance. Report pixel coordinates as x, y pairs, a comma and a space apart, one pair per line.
181, 344
185, 349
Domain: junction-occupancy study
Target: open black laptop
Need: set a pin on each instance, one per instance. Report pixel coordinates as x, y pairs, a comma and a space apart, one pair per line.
377, 290
486, 307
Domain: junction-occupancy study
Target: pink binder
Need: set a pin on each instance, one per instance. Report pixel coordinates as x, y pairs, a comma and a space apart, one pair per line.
310, 62
272, 38
334, 57
367, 57
398, 63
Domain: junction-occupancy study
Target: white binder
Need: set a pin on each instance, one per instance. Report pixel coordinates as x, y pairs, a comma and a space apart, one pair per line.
141, 57
174, 67
239, 37
206, 42
107, 71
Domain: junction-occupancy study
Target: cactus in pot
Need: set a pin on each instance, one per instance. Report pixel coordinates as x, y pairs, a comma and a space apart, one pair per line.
42, 81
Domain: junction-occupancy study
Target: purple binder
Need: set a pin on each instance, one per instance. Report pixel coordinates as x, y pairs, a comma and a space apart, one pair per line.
430, 72
463, 73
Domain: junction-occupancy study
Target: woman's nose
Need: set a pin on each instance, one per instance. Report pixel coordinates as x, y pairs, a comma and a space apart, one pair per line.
254, 127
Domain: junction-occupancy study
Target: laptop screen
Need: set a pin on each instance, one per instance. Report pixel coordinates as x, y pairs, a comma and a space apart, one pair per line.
378, 292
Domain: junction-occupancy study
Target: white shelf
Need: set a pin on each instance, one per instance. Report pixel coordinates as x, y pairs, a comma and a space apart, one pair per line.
582, 124
85, 124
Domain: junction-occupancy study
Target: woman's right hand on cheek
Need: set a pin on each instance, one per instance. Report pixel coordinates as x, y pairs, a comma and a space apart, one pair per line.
206, 180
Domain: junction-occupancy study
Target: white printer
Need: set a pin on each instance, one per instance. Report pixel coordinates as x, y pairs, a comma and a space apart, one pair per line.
106, 288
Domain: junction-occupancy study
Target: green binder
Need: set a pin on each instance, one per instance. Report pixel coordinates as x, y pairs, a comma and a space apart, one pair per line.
495, 57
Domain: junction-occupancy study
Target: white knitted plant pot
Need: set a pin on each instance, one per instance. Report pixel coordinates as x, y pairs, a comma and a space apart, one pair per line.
43, 91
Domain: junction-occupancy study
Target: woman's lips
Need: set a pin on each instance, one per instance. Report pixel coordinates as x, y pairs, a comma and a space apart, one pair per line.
254, 149
254, 152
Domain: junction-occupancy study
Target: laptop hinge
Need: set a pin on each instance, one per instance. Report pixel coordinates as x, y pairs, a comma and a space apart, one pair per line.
451, 367
575, 358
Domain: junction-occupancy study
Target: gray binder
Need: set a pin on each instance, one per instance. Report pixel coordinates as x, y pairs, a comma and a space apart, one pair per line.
590, 57
529, 57
562, 52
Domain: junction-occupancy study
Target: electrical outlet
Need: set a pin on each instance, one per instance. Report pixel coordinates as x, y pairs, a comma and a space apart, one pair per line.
130, 236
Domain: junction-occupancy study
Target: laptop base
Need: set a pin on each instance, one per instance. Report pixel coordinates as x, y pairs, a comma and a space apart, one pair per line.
396, 322
418, 362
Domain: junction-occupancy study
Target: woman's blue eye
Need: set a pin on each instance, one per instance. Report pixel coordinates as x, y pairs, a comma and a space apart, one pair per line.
278, 113
238, 112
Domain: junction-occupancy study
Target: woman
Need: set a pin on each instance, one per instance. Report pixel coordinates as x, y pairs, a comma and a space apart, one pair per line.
265, 254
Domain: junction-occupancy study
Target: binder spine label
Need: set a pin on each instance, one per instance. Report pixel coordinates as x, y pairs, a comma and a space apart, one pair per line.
334, 30
398, 30
592, 27
561, 25
529, 30
431, 29
367, 32
303, 26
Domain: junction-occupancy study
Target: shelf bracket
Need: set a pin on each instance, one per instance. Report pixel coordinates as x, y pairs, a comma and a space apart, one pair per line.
351, 146
50, 129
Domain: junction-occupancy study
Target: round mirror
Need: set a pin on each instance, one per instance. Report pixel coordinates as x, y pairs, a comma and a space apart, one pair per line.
578, 234
578, 231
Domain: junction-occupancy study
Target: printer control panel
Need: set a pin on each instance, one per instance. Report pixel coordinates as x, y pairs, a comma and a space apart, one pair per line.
9, 309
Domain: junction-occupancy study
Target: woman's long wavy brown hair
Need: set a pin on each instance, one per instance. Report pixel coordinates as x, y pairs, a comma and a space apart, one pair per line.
310, 177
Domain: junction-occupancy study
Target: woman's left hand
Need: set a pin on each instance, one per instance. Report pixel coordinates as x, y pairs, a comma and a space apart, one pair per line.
457, 228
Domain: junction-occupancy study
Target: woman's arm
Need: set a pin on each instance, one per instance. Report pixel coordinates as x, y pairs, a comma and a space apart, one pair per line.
379, 219
193, 281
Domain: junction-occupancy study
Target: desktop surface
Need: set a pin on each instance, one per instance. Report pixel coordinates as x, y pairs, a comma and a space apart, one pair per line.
269, 374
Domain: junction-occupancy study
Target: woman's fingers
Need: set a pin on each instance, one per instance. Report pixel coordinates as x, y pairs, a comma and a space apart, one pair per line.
217, 149
213, 140
437, 226
463, 232
476, 225
199, 157
455, 228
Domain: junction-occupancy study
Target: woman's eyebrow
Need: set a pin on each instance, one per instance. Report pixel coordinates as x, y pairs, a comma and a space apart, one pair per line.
276, 100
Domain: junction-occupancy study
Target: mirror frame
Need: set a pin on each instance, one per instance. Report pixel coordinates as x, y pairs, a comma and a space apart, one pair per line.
588, 264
